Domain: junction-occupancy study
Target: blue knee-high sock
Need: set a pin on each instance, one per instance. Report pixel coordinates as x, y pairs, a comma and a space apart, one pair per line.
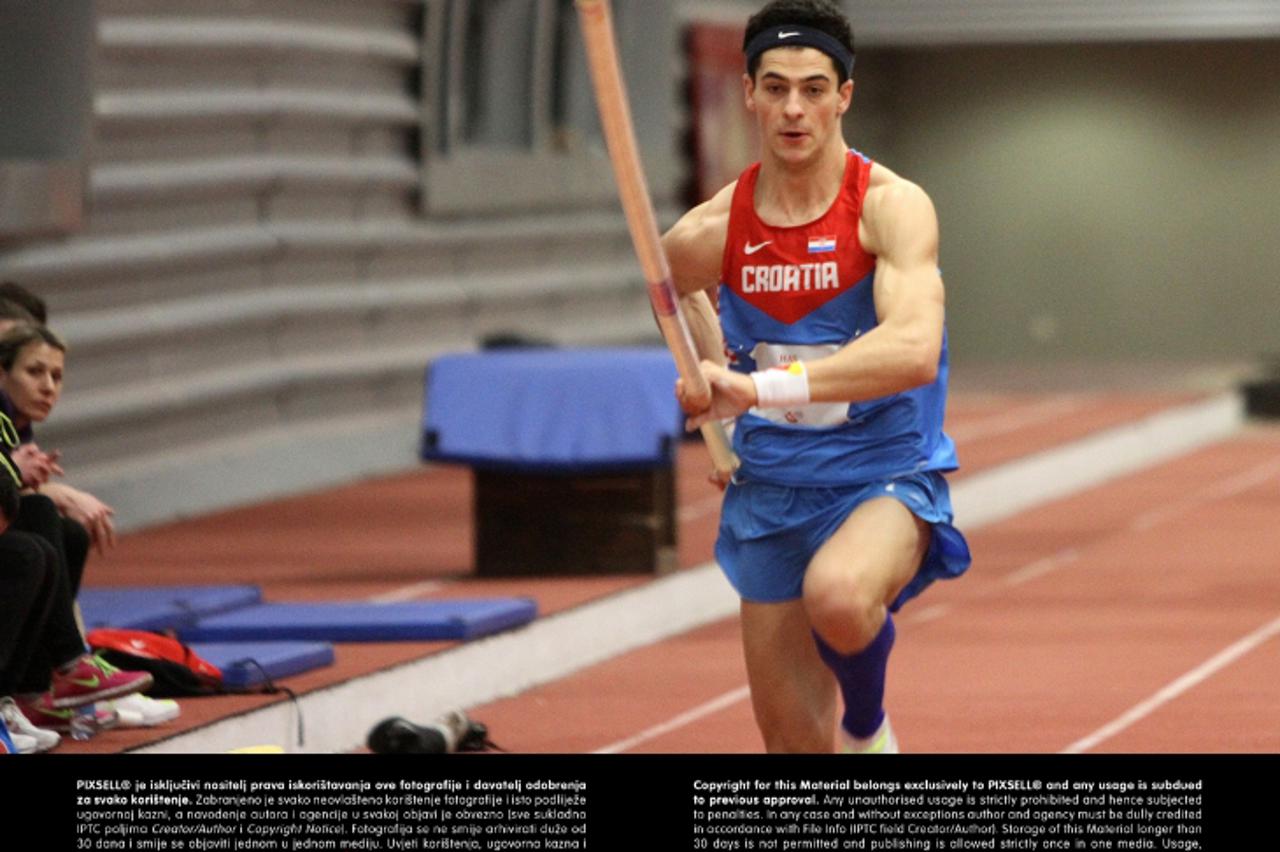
861, 678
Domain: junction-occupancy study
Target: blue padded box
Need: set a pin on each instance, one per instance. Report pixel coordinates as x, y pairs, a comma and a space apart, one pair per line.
573, 452
365, 622
249, 664
160, 608
553, 409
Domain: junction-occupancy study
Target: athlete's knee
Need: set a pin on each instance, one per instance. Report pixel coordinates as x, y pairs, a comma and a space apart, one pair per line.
845, 613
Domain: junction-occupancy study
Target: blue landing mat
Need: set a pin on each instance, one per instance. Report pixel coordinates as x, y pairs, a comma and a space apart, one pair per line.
249, 664
531, 414
160, 607
365, 622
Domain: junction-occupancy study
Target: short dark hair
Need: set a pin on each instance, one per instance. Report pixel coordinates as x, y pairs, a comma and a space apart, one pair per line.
21, 296
821, 15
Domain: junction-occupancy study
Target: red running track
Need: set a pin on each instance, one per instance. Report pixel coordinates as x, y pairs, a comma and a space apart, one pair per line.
1142, 616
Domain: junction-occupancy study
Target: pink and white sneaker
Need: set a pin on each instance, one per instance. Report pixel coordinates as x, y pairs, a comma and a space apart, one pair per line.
94, 679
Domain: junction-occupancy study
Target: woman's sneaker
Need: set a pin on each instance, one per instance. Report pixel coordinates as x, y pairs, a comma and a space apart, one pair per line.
91, 679
40, 711
26, 736
141, 711
7, 743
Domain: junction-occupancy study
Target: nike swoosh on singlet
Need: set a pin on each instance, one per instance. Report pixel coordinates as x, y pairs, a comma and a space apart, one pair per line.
750, 249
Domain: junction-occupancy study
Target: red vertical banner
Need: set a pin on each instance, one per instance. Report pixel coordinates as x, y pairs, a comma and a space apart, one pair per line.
724, 136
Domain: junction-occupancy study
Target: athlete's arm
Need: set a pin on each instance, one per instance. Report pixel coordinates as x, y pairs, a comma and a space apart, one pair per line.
695, 247
899, 226
695, 244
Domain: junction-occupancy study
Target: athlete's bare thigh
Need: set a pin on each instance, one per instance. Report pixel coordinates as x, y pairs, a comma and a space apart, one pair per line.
848, 586
859, 571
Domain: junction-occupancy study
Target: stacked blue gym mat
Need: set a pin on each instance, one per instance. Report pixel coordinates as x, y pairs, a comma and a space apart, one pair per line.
251, 641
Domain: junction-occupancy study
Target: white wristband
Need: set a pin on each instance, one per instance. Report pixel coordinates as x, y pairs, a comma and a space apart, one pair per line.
782, 387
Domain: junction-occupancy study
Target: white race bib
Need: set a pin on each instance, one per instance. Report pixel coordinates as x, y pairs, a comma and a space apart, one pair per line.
815, 415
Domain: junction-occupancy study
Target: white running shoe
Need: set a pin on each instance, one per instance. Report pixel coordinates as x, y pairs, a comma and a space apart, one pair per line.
881, 742
140, 711
26, 736
22, 744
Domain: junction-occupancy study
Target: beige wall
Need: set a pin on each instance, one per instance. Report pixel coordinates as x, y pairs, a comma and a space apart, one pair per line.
1096, 201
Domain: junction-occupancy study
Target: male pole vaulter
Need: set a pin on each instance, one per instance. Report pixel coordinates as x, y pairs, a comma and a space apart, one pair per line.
831, 307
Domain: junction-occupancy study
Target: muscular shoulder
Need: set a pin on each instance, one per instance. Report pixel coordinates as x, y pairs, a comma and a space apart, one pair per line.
897, 215
695, 244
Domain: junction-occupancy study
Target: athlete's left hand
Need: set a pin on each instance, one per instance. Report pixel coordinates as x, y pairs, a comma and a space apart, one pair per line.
731, 394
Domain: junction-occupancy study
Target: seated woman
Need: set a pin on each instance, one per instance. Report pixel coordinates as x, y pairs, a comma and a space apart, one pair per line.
43, 661
32, 363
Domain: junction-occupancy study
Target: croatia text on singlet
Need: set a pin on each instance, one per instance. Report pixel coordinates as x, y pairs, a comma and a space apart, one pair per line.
799, 293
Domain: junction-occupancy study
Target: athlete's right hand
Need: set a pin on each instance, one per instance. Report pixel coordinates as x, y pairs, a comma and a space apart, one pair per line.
731, 394
692, 403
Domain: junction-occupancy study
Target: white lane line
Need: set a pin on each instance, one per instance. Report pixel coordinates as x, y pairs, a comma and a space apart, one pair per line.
1189, 680
408, 593
715, 705
1225, 489
1249, 478
928, 613
1042, 566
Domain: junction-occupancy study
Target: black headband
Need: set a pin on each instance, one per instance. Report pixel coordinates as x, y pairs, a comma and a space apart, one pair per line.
796, 36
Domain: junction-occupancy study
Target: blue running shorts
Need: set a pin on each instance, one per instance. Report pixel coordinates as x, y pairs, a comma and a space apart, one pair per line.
769, 533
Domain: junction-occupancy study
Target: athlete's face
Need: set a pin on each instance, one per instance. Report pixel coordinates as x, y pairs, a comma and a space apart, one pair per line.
798, 103
34, 382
